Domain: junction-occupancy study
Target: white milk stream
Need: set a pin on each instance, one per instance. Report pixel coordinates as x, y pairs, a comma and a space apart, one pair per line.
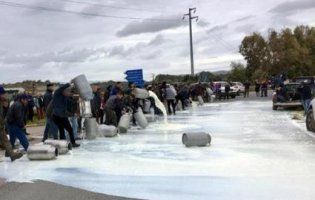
159, 104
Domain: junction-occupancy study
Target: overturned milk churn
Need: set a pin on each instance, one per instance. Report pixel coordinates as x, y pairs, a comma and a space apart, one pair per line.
124, 123
82, 85
91, 128
140, 118
42, 152
196, 139
63, 146
108, 131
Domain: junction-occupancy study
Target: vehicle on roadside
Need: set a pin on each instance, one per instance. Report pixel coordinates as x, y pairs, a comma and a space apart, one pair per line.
305, 79
310, 120
232, 92
238, 87
288, 97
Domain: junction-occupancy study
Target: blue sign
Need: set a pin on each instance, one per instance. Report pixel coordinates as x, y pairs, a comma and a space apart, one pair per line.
135, 76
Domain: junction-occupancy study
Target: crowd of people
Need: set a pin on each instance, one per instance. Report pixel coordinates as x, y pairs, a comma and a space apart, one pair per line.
61, 108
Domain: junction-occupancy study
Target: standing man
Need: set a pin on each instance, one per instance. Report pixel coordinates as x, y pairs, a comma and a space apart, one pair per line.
59, 112
51, 127
170, 95
96, 102
257, 88
30, 107
227, 89
48, 96
15, 121
3, 136
41, 106
247, 86
264, 89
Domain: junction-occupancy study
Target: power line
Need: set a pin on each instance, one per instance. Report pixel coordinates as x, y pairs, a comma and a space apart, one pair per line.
19, 5
110, 6
224, 44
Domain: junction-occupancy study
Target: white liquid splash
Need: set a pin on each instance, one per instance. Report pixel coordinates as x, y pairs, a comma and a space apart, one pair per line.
159, 104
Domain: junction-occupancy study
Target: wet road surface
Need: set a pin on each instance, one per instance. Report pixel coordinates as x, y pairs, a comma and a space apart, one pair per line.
256, 153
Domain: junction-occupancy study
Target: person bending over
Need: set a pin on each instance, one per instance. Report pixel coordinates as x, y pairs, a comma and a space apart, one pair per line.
60, 116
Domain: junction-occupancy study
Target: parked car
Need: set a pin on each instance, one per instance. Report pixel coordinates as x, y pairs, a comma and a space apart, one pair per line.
288, 97
238, 87
310, 120
305, 79
232, 92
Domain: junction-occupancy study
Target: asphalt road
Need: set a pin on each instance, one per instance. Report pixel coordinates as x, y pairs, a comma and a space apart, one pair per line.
42, 190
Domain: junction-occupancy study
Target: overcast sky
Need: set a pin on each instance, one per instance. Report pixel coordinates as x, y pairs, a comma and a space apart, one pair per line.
40, 44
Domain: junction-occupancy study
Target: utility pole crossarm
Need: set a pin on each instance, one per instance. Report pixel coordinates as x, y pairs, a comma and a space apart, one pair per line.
191, 10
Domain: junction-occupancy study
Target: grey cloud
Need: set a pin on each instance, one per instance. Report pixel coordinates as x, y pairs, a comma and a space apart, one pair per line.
293, 6
60, 5
226, 25
135, 50
203, 23
56, 57
150, 26
158, 40
244, 18
246, 28
152, 55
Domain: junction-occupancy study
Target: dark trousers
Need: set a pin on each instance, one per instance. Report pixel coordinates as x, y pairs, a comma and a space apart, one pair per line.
110, 117
227, 94
264, 92
171, 102
183, 101
50, 128
30, 114
246, 93
101, 116
63, 123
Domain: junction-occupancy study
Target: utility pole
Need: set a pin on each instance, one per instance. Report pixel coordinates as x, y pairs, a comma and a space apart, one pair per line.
189, 14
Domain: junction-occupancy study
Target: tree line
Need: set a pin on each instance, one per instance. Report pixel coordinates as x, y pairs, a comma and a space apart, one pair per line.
290, 52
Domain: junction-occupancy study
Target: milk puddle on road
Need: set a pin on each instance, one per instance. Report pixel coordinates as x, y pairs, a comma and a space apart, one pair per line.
256, 153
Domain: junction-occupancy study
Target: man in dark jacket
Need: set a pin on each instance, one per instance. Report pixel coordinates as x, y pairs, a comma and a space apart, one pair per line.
3, 136
15, 121
247, 87
96, 103
227, 89
48, 96
51, 127
60, 116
